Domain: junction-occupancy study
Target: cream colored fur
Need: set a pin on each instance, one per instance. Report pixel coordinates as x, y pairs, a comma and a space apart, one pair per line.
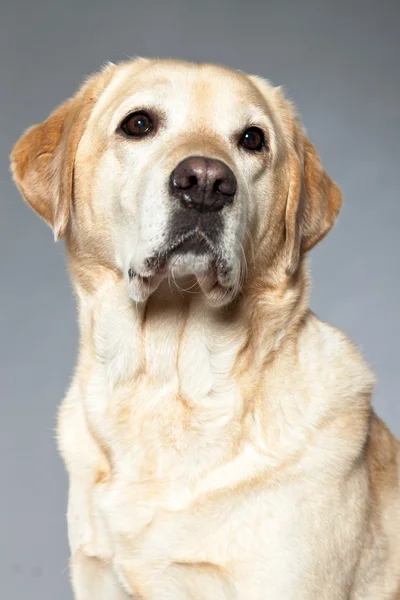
220, 444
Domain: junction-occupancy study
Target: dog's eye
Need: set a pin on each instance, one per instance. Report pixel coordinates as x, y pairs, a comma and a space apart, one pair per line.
253, 139
137, 124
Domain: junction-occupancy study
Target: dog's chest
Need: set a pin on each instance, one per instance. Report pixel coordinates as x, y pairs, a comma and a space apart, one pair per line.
162, 404
160, 396
163, 408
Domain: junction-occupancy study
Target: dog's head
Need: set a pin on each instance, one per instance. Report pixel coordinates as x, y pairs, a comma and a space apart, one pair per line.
161, 167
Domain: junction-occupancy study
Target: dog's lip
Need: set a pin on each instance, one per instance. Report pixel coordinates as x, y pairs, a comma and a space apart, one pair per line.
146, 279
156, 268
159, 263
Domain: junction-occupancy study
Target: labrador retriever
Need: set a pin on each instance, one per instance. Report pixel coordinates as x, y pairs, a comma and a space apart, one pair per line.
219, 437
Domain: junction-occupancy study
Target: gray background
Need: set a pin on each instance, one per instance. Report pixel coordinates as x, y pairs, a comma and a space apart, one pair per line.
339, 60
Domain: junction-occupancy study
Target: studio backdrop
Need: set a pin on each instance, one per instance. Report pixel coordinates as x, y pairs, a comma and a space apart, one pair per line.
337, 59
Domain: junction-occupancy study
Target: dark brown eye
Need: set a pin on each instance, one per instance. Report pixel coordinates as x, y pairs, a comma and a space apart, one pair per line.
137, 124
253, 139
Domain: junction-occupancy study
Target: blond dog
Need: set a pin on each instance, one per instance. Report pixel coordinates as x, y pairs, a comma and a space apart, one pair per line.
219, 437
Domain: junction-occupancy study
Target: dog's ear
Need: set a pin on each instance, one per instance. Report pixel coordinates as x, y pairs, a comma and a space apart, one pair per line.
42, 161
313, 203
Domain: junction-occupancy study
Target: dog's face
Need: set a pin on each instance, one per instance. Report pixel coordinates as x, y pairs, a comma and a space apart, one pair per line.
164, 168
187, 155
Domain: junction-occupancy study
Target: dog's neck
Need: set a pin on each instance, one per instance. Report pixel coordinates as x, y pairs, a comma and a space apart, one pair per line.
177, 336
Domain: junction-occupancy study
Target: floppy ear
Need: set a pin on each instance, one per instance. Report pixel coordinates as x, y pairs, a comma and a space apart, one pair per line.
42, 161
313, 203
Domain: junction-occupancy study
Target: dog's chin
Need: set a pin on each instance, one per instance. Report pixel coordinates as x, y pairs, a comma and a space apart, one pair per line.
214, 277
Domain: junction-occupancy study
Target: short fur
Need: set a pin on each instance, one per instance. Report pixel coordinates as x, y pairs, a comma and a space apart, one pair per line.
220, 440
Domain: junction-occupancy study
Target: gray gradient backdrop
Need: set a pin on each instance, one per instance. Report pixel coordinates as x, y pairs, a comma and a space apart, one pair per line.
339, 60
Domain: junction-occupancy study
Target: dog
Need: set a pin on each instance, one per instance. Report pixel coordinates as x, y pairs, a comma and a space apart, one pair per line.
219, 437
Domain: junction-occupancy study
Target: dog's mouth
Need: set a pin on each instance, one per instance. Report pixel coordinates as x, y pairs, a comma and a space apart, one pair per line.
192, 254
194, 243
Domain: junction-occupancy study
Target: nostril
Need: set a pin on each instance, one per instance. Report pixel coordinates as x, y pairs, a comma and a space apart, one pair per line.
184, 181
226, 186
218, 186
192, 181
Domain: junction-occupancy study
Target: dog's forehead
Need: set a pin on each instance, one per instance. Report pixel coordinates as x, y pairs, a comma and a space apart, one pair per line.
198, 89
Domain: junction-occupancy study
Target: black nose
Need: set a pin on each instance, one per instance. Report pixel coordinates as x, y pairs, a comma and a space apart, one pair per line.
205, 184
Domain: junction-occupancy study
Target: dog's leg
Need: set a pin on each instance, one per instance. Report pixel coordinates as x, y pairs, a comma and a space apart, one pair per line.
93, 579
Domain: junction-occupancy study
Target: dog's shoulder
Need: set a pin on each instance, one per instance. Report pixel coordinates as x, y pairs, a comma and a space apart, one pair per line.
331, 361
